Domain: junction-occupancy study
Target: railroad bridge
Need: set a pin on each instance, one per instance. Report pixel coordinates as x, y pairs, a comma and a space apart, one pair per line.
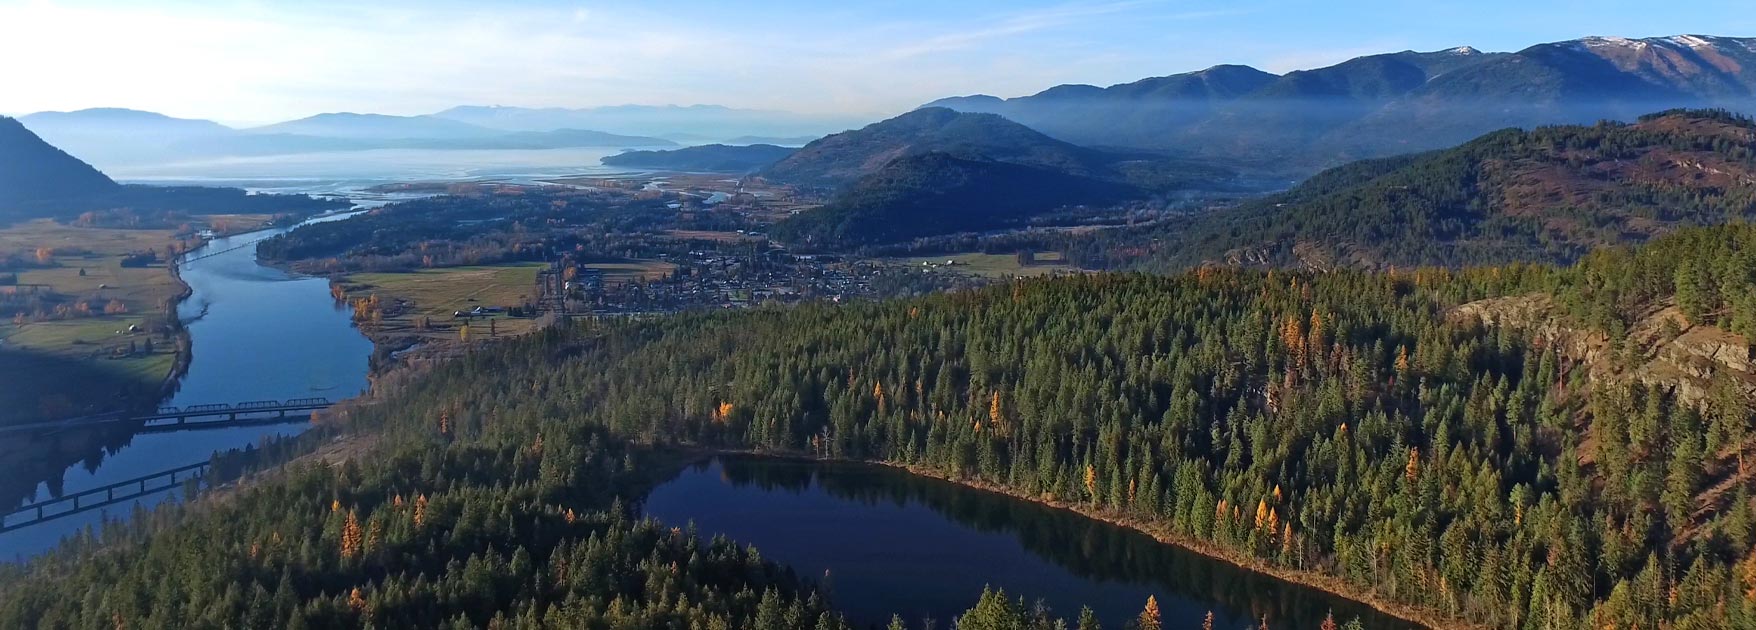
190, 417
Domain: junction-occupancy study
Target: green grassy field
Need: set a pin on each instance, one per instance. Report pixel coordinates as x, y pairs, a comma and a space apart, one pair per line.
619, 272
438, 293
81, 365
991, 265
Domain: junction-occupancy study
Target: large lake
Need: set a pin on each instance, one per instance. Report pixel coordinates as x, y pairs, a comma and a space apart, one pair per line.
884, 542
348, 172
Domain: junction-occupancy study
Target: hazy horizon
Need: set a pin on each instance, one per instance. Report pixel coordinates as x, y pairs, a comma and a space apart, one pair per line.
245, 63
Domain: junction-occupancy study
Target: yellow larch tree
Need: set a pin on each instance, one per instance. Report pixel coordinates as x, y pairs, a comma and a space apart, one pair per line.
351, 539
1149, 616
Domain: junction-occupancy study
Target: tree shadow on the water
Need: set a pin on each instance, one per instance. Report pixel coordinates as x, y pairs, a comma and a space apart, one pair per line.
1086, 547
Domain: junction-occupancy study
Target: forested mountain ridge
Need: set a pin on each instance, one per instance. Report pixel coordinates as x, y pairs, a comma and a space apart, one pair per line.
1550, 194
936, 193
32, 171
832, 162
838, 159
993, 173
1392, 103
1349, 425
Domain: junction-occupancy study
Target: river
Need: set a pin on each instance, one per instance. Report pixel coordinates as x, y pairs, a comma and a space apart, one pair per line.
884, 541
256, 333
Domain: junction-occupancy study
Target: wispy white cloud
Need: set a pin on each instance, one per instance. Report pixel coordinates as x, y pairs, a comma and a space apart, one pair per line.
1018, 23
264, 60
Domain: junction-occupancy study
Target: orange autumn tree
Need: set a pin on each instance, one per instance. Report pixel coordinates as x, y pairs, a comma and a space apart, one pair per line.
1149, 616
351, 539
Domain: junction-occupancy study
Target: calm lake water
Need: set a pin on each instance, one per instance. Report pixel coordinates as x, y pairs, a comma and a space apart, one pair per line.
257, 333
885, 542
350, 171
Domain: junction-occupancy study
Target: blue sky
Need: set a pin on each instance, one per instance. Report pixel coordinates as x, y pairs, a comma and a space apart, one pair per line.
261, 60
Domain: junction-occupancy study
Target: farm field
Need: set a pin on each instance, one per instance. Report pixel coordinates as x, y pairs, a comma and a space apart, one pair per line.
110, 348
435, 295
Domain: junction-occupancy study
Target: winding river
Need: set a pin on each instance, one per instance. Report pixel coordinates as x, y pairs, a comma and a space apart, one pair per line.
256, 333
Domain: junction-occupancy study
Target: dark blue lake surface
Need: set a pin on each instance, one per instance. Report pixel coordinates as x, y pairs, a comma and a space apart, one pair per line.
884, 541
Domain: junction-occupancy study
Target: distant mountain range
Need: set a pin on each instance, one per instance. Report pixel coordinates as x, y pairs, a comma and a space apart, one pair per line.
39, 180
708, 157
1547, 195
1388, 104
353, 126
691, 124
121, 136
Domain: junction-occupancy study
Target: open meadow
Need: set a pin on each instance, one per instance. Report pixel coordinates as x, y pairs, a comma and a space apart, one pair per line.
433, 296
85, 333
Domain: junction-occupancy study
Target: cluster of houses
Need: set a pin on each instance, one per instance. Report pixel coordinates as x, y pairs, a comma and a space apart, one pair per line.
716, 280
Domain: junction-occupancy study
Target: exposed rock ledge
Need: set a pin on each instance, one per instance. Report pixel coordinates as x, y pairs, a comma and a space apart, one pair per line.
1672, 353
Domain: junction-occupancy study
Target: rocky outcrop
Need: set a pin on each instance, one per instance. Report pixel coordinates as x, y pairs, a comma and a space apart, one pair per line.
1667, 350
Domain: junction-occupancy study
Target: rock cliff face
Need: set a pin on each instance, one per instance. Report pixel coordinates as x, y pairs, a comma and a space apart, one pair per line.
1661, 350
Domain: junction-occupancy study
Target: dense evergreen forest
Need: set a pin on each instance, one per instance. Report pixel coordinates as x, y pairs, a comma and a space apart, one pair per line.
1346, 425
485, 225
935, 193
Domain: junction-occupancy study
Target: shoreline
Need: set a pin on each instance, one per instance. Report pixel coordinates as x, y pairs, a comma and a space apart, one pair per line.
185, 343
1329, 584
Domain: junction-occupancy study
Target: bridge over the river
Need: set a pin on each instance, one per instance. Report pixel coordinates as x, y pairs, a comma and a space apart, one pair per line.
35, 512
189, 417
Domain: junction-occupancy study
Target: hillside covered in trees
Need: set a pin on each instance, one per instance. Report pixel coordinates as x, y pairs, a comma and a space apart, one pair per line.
834, 162
1366, 430
1550, 194
937, 193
